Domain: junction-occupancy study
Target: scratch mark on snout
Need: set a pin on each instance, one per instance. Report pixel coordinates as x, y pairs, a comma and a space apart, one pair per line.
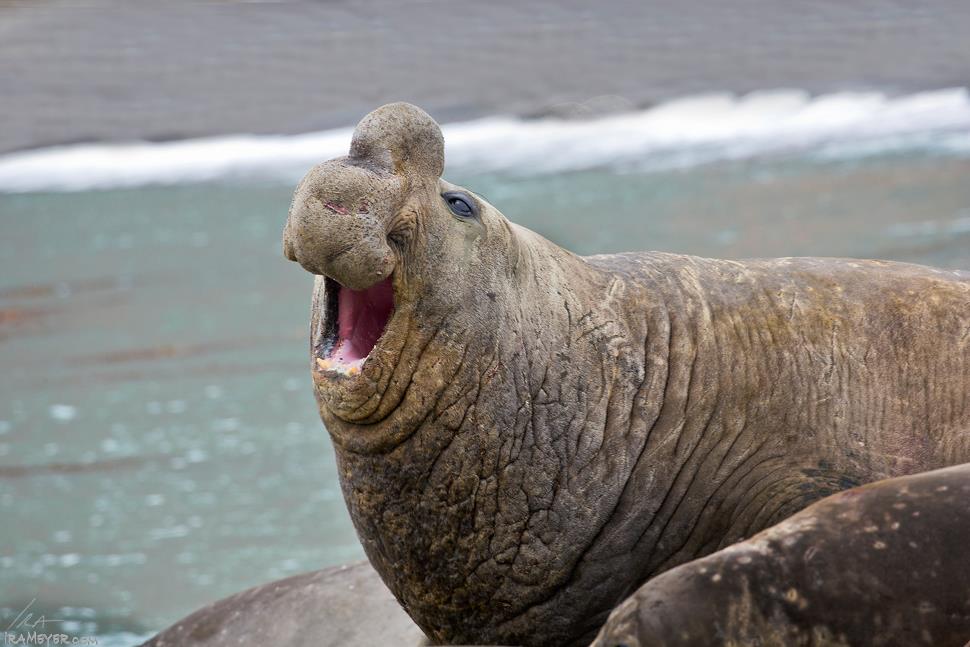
337, 208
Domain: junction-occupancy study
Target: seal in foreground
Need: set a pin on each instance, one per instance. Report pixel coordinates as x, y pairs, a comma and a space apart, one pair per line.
883, 564
524, 436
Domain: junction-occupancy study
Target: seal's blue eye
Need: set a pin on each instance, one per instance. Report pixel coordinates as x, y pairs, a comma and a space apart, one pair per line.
461, 204
460, 207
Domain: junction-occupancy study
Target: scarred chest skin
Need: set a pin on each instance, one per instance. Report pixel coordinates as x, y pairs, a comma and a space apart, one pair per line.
538, 433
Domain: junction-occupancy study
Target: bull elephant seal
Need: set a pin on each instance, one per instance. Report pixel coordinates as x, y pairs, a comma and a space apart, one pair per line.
884, 564
524, 436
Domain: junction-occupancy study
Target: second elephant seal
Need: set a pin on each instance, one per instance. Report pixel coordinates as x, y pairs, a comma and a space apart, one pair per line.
884, 564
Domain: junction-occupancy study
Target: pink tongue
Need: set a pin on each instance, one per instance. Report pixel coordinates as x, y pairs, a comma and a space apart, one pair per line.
362, 316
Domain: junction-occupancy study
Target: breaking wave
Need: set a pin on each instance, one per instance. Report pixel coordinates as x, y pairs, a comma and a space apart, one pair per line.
680, 133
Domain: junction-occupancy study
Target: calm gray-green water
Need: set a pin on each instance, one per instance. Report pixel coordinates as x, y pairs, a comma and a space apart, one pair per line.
159, 442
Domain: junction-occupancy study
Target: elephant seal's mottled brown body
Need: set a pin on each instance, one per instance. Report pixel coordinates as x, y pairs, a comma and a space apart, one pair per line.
884, 564
534, 434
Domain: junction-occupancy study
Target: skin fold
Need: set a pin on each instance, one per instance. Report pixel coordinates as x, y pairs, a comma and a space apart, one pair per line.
884, 564
537, 433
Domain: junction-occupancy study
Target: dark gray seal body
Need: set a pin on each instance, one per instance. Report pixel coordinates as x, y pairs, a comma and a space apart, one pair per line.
525, 436
334, 607
885, 564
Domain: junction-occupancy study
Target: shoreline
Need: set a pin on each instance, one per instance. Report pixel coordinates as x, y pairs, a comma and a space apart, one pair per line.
687, 132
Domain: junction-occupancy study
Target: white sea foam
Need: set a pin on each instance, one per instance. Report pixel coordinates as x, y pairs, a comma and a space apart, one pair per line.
683, 132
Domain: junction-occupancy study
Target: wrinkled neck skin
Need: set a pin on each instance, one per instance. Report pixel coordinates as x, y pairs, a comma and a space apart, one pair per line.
486, 472
524, 467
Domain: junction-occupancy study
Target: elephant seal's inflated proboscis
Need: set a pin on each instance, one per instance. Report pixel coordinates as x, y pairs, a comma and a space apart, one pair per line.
524, 436
884, 564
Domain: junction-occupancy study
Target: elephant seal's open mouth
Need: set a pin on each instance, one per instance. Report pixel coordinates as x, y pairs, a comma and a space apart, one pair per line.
363, 346
354, 322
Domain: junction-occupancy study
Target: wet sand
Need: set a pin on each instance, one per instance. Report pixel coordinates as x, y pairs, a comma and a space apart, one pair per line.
97, 70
